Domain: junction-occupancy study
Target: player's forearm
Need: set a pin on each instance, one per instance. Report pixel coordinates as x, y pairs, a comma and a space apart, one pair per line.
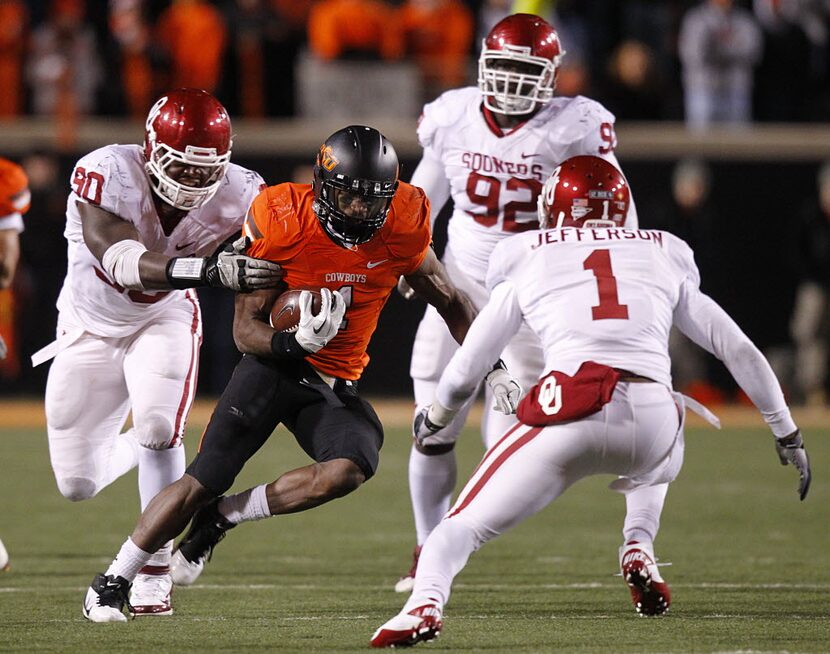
458, 312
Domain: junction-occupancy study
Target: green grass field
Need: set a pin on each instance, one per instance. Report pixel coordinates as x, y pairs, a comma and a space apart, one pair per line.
750, 573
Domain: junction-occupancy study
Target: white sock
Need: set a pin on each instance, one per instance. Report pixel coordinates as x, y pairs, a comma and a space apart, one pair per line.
248, 505
157, 469
123, 458
643, 509
431, 483
129, 561
444, 555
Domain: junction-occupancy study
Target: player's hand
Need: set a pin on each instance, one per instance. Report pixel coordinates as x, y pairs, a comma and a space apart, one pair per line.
239, 272
790, 449
505, 388
314, 331
423, 427
406, 291
3, 349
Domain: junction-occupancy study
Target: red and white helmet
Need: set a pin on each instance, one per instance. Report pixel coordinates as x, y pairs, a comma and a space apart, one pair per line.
187, 127
584, 191
518, 63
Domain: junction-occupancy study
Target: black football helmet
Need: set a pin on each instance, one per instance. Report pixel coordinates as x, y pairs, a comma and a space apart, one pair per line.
355, 179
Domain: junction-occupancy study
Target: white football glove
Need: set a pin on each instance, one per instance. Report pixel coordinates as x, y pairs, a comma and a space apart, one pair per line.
505, 388
430, 420
239, 272
790, 449
314, 331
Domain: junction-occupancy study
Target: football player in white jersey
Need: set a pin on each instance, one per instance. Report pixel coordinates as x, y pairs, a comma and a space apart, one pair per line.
144, 225
490, 149
602, 299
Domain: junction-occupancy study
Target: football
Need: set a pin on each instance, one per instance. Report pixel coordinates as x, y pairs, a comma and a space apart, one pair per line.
285, 314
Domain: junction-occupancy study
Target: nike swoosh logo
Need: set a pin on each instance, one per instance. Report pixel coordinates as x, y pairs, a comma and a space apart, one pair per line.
375, 264
184, 245
528, 156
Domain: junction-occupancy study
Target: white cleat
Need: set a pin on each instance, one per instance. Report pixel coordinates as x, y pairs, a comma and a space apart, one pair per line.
106, 598
406, 583
4, 558
419, 625
182, 571
152, 589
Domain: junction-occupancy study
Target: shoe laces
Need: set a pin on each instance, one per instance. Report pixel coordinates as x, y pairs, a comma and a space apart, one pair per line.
114, 593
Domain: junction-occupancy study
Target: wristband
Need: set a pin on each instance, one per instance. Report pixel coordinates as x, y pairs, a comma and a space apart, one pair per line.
284, 345
185, 272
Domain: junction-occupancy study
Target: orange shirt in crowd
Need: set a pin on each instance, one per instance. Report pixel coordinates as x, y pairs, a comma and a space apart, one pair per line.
13, 20
284, 229
438, 34
336, 27
194, 34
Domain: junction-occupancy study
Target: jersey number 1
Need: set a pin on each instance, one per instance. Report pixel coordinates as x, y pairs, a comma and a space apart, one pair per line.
599, 262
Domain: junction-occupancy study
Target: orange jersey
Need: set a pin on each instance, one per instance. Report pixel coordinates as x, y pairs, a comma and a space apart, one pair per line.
14, 189
284, 229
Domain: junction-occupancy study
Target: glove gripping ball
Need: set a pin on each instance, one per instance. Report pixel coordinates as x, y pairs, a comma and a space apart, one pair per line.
285, 314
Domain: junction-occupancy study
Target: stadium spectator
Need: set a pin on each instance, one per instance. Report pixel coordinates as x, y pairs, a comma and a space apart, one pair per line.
606, 404
438, 34
356, 217
144, 225
634, 89
719, 45
13, 32
14, 202
193, 33
354, 29
509, 135
63, 69
132, 35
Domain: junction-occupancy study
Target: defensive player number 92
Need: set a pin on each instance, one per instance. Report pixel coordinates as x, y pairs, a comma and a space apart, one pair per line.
485, 191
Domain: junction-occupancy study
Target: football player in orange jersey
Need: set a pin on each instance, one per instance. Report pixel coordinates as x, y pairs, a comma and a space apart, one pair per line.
352, 233
14, 202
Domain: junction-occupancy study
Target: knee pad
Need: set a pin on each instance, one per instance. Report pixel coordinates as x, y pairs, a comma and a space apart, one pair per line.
76, 489
155, 432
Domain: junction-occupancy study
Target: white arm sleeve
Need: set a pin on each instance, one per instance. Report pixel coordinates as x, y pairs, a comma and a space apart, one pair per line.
490, 332
431, 176
703, 320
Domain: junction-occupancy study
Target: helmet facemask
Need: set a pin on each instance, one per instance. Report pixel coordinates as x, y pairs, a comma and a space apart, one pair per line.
175, 193
351, 210
514, 82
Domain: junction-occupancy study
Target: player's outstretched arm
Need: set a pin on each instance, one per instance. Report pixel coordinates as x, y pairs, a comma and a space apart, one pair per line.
432, 283
115, 243
704, 321
9, 254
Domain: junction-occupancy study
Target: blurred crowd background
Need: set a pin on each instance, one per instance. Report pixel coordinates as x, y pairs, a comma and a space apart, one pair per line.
760, 227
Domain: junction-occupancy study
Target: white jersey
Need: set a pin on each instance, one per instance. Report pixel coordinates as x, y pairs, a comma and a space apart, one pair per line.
610, 296
113, 177
495, 178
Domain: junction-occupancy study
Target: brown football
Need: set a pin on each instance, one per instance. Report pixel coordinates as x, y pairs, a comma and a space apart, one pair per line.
285, 314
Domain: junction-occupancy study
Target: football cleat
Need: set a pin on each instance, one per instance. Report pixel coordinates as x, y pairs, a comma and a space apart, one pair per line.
152, 589
419, 625
649, 593
106, 598
207, 528
4, 558
407, 582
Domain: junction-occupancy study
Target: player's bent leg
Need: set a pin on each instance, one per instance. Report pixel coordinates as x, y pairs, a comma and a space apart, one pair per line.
86, 406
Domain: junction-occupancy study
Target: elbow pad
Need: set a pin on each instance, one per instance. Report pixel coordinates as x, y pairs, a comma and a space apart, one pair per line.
121, 263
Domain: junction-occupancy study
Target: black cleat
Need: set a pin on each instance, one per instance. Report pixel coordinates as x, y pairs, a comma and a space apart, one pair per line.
207, 528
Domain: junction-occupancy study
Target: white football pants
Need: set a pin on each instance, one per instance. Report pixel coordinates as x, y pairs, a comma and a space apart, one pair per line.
95, 382
637, 436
